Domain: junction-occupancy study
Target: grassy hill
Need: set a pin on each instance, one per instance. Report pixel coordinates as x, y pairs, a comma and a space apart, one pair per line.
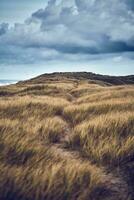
67, 136
110, 80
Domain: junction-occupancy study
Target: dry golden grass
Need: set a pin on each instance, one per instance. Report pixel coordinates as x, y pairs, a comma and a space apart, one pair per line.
66, 140
78, 113
107, 139
107, 94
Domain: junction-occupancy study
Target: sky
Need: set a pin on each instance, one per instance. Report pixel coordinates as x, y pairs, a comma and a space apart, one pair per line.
39, 36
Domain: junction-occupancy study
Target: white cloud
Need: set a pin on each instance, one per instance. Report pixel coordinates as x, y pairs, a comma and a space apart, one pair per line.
117, 58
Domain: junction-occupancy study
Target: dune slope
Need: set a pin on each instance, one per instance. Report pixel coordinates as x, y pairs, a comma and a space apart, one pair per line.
67, 137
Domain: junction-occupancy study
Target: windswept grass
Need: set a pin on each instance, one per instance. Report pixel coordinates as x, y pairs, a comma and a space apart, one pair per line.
25, 107
51, 129
107, 94
66, 140
107, 139
78, 113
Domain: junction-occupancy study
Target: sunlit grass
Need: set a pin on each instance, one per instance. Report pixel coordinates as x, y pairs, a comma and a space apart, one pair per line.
57, 140
107, 139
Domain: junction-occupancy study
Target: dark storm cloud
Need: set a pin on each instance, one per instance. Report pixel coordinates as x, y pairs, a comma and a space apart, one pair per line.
71, 29
130, 4
3, 28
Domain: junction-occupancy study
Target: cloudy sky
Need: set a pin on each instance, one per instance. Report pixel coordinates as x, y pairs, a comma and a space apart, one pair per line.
38, 36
